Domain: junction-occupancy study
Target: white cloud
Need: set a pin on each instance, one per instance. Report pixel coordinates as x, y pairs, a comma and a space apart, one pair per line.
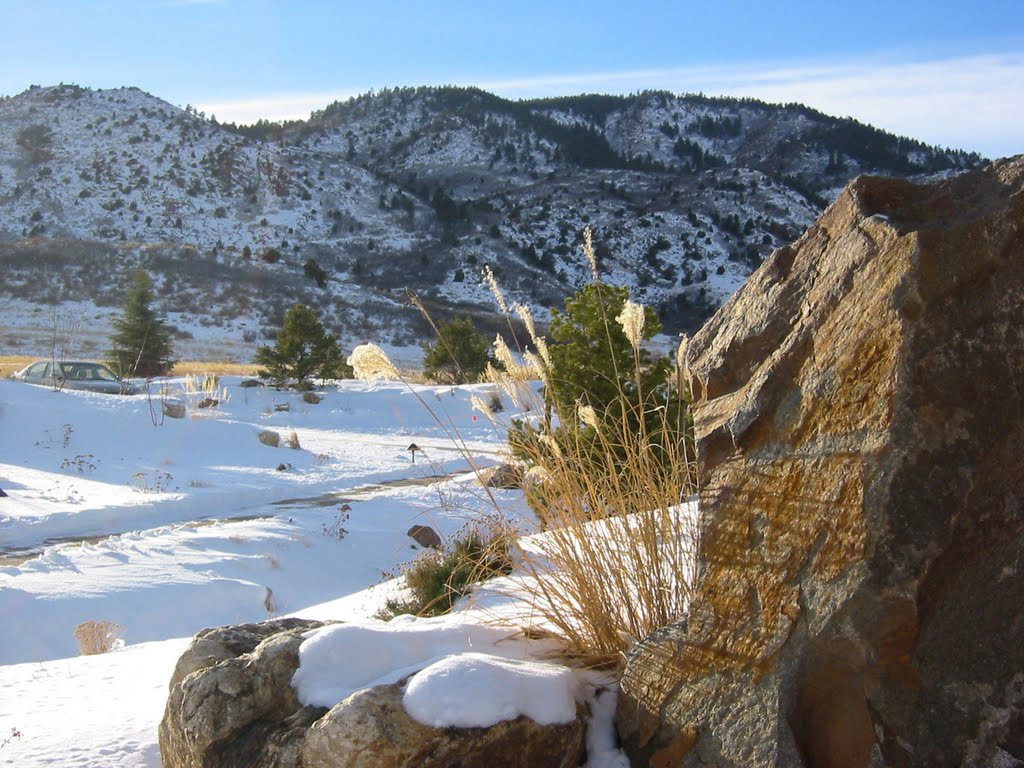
973, 102
291, 106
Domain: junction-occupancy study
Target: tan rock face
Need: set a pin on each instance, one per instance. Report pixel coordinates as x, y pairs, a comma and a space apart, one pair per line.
859, 409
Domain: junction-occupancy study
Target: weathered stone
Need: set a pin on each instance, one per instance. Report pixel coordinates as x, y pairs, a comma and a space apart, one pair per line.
250, 383
506, 476
173, 409
231, 702
311, 397
269, 437
208, 402
859, 414
371, 729
282, 407
425, 536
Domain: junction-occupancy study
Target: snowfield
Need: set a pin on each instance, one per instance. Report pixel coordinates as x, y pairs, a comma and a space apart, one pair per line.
166, 526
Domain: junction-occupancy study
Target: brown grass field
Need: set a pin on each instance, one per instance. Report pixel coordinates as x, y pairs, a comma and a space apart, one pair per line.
11, 363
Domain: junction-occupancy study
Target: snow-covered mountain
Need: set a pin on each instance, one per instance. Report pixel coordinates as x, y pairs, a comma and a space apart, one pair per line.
411, 189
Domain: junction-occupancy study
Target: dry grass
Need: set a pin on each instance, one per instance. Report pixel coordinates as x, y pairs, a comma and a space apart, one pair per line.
617, 557
11, 363
95, 637
214, 367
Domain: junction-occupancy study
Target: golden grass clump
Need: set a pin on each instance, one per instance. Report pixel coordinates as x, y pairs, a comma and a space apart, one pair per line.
371, 363
95, 637
610, 487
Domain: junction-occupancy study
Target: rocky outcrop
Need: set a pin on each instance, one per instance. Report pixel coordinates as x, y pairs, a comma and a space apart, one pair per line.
232, 705
859, 413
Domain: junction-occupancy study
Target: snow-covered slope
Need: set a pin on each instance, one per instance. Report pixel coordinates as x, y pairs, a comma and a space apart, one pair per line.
411, 189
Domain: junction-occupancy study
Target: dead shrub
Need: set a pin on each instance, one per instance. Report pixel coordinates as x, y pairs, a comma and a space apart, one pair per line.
95, 637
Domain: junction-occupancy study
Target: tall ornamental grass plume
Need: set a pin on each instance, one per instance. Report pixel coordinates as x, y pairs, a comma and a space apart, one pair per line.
370, 363
605, 435
610, 471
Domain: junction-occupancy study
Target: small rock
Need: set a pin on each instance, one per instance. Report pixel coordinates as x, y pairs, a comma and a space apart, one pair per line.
282, 407
425, 536
174, 409
209, 402
505, 476
250, 383
311, 397
270, 437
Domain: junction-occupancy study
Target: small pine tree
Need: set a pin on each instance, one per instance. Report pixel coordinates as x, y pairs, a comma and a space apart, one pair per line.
304, 349
459, 355
595, 364
591, 359
141, 344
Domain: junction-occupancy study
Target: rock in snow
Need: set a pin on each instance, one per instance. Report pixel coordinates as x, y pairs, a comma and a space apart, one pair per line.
411, 692
425, 536
859, 412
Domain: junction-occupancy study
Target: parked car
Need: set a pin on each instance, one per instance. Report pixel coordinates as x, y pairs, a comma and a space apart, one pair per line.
93, 377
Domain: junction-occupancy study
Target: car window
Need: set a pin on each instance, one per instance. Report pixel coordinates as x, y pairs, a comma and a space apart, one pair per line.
102, 372
38, 370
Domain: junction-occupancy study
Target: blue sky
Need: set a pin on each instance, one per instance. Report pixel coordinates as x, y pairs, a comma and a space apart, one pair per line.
944, 71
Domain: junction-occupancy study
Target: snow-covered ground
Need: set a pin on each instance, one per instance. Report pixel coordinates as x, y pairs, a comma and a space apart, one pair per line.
166, 526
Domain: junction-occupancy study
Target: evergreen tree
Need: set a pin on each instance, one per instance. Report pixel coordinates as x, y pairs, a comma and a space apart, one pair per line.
459, 355
141, 344
592, 361
304, 349
595, 364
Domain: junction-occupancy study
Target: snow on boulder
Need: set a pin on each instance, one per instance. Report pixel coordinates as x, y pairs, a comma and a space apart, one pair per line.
475, 690
232, 703
394, 650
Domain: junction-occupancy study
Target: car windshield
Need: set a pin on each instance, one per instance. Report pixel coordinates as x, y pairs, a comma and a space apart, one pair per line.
87, 372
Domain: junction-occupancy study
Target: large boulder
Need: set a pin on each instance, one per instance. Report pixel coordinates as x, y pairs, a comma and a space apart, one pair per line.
231, 702
232, 705
859, 416
371, 729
